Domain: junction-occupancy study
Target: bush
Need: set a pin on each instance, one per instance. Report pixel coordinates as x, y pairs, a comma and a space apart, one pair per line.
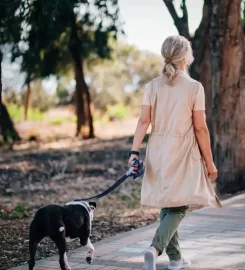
60, 120
117, 112
17, 113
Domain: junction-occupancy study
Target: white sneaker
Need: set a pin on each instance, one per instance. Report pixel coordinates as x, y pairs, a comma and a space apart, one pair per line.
149, 260
177, 265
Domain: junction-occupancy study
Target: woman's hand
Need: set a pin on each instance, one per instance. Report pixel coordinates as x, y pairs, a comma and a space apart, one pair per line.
212, 171
132, 157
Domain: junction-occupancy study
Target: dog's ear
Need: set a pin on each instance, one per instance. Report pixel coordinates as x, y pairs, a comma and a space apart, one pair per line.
92, 205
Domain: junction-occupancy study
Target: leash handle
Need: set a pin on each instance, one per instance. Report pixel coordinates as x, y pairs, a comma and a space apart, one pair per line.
140, 171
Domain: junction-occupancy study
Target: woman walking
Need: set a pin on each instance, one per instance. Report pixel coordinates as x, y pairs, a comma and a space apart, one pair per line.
176, 173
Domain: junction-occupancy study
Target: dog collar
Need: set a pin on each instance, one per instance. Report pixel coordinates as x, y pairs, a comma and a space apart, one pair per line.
81, 203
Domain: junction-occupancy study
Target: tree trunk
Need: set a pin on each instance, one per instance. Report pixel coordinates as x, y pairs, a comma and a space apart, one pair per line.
201, 67
83, 108
1, 57
228, 92
88, 108
7, 127
79, 97
204, 77
27, 100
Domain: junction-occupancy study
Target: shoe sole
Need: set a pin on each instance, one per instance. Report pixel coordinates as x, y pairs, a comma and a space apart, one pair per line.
183, 266
149, 261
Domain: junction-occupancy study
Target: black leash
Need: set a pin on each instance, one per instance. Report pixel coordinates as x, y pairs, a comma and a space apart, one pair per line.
140, 171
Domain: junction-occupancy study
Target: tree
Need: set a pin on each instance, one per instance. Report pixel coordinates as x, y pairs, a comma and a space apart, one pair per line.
27, 100
116, 80
9, 34
227, 47
218, 46
61, 31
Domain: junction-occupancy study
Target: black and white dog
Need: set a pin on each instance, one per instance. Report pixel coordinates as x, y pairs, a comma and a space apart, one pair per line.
74, 220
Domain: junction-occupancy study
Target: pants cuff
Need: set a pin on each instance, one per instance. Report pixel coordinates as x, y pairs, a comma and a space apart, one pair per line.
157, 248
176, 257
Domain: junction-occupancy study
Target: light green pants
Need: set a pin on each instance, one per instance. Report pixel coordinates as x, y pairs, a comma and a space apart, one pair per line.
166, 236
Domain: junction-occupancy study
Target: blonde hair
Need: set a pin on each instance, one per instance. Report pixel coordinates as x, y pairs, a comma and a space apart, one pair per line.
174, 49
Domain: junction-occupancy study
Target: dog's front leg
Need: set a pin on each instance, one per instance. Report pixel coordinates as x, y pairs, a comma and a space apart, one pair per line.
90, 253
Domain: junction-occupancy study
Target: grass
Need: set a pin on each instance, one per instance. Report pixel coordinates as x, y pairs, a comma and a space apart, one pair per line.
117, 112
60, 120
113, 112
17, 113
20, 211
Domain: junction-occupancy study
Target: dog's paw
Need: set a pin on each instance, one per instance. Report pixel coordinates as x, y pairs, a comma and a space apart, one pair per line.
89, 260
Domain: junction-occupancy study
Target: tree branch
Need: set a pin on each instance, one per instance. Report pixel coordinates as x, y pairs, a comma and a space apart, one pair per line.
185, 12
180, 23
200, 41
202, 28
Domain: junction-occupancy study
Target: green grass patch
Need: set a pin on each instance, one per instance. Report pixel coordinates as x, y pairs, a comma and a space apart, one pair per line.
117, 112
17, 113
20, 211
60, 120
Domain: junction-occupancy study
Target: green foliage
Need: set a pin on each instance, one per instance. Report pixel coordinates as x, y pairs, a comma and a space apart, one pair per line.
62, 30
63, 96
117, 112
17, 113
60, 120
65, 89
10, 30
20, 211
11, 96
122, 78
40, 99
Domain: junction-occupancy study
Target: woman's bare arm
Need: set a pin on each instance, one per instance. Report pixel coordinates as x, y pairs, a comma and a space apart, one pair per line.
202, 135
142, 126
141, 129
203, 139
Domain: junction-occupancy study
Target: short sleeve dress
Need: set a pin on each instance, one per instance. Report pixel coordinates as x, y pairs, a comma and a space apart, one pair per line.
175, 174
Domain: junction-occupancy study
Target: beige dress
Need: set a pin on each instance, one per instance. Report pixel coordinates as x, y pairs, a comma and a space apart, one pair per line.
175, 174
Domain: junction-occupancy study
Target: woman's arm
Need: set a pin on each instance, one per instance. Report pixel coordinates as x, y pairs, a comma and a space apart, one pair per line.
203, 139
141, 129
142, 126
